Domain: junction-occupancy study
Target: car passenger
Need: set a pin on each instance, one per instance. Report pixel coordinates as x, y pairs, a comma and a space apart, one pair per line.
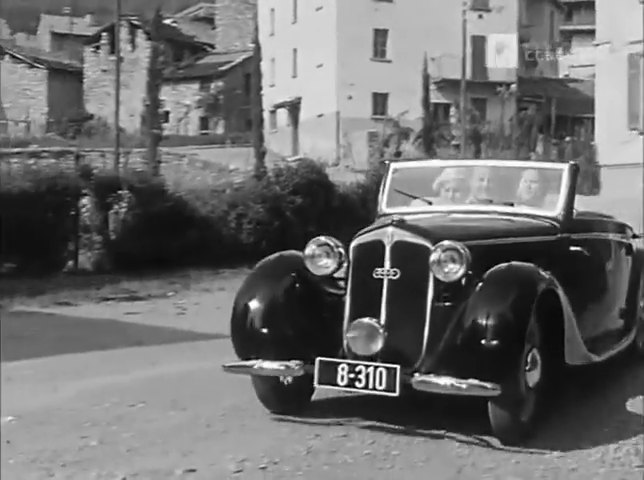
532, 188
451, 185
480, 185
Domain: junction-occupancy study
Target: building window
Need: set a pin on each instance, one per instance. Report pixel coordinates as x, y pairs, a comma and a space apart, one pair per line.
294, 20
380, 41
205, 85
379, 104
294, 64
480, 106
478, 57
165, 116
552, 34
272, 120
635, 94
271, 73
249, 124
248, 85
272, 22
204, 125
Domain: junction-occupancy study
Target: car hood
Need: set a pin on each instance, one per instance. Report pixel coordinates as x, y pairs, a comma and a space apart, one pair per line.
464, 227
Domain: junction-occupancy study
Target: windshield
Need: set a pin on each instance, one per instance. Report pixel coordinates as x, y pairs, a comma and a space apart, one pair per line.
431, 185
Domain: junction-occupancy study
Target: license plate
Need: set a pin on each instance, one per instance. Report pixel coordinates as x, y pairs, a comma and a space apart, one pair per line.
356, 376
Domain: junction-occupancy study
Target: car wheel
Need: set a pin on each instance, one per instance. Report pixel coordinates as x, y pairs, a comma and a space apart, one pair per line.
284, 395
513, 413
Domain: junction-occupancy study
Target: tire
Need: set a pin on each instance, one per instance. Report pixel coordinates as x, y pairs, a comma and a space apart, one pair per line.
289, 396
638, 342
512, 415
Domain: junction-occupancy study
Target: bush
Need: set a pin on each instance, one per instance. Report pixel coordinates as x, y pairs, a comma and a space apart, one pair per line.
281, 211
37, 219
159, 228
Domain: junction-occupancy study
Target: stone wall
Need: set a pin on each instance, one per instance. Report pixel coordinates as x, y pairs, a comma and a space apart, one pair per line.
180, 101
99, 74
23, 93
234, 24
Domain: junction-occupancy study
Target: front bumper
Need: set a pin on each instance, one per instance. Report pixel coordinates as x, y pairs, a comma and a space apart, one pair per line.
424, 382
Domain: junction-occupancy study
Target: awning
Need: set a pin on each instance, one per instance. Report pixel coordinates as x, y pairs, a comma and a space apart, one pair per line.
574, 98
290, 102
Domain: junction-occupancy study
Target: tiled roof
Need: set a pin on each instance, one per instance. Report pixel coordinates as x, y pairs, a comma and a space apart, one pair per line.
40, 58
200, 9
202, 32
81, 26
211, 65
166, 32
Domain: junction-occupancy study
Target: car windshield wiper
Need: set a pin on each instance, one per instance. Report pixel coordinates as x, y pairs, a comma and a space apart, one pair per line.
415, 197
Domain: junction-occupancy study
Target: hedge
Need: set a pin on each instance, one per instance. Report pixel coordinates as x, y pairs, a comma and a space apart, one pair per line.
134, 222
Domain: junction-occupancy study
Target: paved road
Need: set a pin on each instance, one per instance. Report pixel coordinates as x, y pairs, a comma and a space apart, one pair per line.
133, 399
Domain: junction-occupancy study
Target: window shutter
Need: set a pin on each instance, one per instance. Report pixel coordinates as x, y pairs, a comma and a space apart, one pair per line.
634, 90
479, 68
480, 5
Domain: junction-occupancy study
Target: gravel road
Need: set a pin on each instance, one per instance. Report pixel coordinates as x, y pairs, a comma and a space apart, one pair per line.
121, 390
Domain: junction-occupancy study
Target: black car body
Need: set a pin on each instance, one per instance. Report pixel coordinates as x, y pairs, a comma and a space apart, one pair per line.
484, 298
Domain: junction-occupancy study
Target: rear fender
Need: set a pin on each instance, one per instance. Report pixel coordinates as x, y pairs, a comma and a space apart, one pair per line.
283, 312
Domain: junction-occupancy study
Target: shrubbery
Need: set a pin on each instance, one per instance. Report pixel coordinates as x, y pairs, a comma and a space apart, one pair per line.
37, 225
138, 223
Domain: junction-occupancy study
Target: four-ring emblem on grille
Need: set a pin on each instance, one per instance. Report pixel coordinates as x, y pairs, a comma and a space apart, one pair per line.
386, 273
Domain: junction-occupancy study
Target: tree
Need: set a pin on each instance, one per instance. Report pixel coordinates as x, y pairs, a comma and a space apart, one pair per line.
427, 134
153, 104
257, 109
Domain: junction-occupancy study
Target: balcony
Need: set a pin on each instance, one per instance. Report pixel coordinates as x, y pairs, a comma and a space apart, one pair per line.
582, 22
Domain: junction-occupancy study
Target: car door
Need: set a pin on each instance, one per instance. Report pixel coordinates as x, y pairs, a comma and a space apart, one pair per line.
599, 260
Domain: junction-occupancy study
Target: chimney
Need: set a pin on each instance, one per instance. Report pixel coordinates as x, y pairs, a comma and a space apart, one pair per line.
105, 45
90, 19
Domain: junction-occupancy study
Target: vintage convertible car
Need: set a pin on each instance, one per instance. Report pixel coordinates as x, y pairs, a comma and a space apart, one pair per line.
477, 277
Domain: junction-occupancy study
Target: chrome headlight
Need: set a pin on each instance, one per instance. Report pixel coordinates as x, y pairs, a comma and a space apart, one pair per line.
449, 261
324, 256
365, 336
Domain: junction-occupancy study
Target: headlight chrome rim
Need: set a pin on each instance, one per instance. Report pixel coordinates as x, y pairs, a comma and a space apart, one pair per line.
365, 336
437, 256
336, 256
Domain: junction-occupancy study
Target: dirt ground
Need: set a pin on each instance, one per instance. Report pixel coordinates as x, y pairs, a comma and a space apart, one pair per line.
114, 379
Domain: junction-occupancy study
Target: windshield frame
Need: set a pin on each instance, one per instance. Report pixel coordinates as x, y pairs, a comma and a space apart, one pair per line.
558, 213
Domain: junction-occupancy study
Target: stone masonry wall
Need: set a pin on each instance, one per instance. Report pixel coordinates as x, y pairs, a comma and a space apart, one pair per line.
180, 100
99, 74
23, 92
235, 23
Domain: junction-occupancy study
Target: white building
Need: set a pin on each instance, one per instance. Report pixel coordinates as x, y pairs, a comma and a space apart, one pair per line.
334, 68
577, 30
619, 98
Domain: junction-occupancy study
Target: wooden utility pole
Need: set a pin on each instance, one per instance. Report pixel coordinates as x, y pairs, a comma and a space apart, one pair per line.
117, 85
463, 76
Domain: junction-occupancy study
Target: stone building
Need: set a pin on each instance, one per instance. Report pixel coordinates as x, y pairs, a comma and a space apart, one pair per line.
191, 70
227, 76
5, 31
230, 23
65, 33
38, 90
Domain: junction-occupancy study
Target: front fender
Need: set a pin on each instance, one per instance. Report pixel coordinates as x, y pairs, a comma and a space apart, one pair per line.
488, 333
283, 312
